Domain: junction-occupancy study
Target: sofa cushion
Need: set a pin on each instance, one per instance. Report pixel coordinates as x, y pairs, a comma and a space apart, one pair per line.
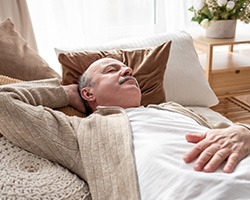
17, 59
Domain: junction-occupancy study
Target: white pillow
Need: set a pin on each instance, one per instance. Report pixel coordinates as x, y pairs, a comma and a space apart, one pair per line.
185, 81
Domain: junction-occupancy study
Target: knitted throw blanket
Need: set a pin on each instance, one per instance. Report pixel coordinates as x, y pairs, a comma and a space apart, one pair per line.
24, 175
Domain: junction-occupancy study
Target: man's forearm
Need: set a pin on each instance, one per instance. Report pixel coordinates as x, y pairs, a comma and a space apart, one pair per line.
47, 93
26, 120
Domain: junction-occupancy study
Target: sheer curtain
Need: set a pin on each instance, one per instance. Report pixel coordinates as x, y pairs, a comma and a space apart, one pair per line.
173, 15
77, 23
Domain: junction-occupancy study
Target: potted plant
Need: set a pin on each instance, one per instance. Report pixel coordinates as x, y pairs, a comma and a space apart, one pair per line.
219, 17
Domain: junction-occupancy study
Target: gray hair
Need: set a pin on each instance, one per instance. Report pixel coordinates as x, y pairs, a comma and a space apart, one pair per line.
84, 81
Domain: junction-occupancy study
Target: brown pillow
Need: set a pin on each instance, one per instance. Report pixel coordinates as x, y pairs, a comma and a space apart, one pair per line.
68, 110
17, 59
149, 66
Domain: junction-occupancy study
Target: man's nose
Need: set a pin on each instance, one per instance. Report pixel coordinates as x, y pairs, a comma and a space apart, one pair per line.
126, 71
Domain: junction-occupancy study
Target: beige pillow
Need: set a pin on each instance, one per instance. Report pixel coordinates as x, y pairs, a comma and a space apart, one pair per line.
17, 59
68, 110
149, 66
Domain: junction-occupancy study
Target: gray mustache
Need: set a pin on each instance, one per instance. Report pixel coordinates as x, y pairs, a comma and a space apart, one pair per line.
123, 79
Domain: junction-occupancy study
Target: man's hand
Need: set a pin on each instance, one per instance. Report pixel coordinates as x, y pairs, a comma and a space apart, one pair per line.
231, 144
74, 98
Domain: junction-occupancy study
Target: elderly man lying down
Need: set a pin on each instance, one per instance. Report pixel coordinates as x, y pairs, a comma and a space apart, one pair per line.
124, 150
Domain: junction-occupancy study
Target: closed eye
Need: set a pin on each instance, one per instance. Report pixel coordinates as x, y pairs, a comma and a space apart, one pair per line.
111, 69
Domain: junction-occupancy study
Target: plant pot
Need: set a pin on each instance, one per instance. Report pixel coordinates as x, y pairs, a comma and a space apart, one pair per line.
221, 29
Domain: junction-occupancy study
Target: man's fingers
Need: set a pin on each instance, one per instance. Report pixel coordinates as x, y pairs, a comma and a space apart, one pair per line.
216, 146
195, 137
195, 151
211, 158
205, 157
232, 162
217, 159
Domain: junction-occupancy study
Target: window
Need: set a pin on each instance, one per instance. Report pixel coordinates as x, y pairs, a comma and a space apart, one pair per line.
73, 23
78, 23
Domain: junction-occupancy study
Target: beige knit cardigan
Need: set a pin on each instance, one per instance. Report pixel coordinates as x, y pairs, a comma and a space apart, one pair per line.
97, 148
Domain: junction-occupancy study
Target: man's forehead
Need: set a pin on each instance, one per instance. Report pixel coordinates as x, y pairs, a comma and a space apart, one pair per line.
99, 65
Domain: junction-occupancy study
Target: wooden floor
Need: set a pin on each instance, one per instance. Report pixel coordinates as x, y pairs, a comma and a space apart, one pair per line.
237, 109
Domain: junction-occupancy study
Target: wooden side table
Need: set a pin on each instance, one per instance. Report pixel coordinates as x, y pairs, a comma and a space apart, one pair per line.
228, 72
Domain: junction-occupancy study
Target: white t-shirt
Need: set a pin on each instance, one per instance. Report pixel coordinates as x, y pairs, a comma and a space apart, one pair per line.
159, 145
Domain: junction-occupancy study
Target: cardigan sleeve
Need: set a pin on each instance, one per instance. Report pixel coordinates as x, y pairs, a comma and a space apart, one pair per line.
28, 120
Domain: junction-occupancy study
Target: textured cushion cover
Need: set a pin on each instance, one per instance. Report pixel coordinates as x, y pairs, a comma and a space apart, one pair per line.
27, 176
185, 81
17, 59
148, 64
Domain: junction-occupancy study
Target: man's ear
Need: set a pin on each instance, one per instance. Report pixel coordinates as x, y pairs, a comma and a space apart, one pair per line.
87, 94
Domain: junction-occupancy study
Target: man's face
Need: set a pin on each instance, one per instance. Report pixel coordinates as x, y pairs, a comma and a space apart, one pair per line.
112, 84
